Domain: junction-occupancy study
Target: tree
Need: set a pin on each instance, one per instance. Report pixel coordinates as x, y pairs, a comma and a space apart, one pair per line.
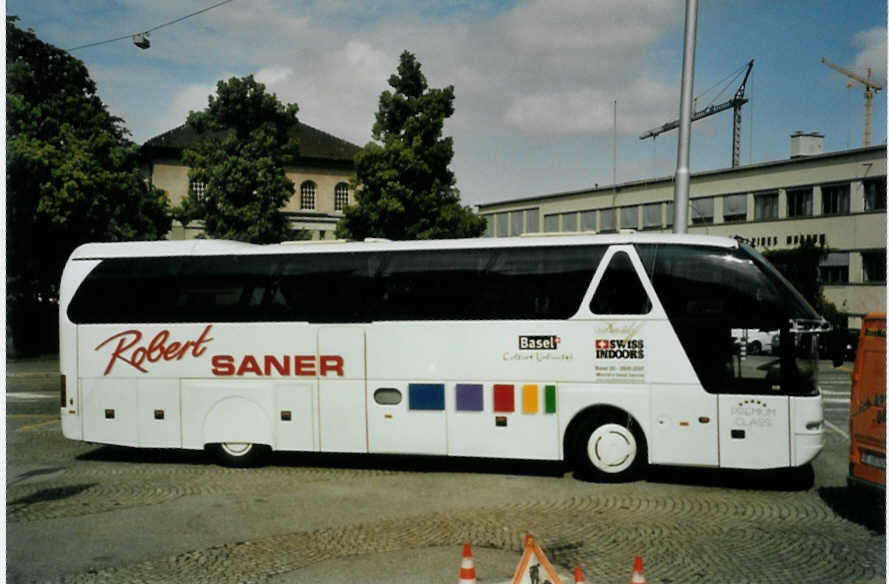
800, 266
403, 187
72, 175
241, 158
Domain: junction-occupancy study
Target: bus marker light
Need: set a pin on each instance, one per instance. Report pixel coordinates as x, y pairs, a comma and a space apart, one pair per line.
704, 420
286, 416
683, 424
109, 414
158, 414
72, 411
500, 421
387, 416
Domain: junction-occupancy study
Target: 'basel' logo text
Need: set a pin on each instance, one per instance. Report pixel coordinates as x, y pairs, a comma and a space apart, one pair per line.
539, 342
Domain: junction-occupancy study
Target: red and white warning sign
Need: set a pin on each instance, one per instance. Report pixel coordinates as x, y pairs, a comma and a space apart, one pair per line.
534, 568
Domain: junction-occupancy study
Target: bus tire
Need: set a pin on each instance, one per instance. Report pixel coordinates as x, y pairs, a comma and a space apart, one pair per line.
238, 454
609, 447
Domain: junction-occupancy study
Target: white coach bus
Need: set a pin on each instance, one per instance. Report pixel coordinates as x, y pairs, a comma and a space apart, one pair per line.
610, 352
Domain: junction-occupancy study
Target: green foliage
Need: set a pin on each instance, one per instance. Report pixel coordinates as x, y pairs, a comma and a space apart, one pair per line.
241, 159
72, 175
403, 187
800, 266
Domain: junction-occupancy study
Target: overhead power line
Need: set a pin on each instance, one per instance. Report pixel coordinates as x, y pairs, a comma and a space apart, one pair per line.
144, 33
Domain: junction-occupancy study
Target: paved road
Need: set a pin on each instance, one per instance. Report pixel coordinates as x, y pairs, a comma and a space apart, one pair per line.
84, 513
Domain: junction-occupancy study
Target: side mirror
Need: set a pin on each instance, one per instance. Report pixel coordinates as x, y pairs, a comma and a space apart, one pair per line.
836, 346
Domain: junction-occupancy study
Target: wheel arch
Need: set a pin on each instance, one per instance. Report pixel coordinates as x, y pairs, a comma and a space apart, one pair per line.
253, 423
569, 439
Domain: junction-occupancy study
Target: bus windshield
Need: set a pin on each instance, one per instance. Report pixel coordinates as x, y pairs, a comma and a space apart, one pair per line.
744, 327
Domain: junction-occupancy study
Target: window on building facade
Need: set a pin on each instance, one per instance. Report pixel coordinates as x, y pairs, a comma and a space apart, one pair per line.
702, 211
799, 202
835, 200
516, 222
199, 189
551, 223
629, 217
668, 213
532, 220
341, 196
874, 264
834, 269
734, 208
502, 224
607, 220
765, 206
569, 221
875, 194
489, 225
588, 221
651, 216
307, 195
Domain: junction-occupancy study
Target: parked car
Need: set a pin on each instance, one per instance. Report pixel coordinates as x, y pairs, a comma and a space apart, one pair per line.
757, 341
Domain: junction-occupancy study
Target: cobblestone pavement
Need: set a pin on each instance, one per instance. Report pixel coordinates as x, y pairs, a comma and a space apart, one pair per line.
690, 526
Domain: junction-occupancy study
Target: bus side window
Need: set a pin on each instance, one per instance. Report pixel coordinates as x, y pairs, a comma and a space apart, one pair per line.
620, 291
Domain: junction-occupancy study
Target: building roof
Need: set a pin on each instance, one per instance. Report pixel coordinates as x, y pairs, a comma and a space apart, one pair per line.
314, 145
669, 179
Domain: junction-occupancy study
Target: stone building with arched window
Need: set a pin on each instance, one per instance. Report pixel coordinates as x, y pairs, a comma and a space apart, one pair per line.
320, 177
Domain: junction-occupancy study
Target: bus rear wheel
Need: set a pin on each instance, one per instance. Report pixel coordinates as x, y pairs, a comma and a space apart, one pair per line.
609, 447
239, 454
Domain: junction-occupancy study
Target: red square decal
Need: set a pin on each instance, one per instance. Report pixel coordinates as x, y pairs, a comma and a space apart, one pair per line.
504, 398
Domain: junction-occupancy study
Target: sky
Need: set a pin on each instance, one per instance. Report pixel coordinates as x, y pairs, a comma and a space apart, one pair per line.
537, 83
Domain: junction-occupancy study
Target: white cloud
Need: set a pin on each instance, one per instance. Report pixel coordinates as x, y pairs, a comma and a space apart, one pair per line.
590, 111
273, 75
872, 51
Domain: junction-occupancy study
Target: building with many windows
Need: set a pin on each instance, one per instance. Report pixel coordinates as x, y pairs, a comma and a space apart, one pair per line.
320, 177
837, 199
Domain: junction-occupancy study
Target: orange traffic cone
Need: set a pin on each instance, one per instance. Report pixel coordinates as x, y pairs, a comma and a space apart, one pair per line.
638, 576
467, 566
578, 576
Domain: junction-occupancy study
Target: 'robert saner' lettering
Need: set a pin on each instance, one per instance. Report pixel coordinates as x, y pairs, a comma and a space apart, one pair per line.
539, 342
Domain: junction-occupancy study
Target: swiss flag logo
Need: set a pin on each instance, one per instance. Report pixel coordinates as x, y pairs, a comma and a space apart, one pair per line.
601, 343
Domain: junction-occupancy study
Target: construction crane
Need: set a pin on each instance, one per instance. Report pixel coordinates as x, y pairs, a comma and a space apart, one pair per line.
735, 103
869, 89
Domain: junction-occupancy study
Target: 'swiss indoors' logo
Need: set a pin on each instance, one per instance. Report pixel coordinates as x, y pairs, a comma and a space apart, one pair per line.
620, 349
539, 342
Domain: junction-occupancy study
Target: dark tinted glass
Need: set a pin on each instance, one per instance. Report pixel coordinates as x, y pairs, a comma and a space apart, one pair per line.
620, 291
526, 283
718, 299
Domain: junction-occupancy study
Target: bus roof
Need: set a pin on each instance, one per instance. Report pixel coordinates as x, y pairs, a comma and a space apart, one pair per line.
225, 247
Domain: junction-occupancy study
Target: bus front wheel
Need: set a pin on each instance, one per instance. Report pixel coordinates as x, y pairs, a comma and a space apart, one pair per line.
609, 447
238, 454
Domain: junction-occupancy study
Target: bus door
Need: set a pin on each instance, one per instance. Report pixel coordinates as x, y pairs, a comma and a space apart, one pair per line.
341, 389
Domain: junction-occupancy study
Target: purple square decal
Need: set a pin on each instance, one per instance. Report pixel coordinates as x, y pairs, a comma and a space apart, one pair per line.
469, 397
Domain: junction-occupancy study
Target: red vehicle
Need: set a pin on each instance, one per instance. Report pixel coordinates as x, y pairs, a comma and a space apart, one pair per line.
867, 408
